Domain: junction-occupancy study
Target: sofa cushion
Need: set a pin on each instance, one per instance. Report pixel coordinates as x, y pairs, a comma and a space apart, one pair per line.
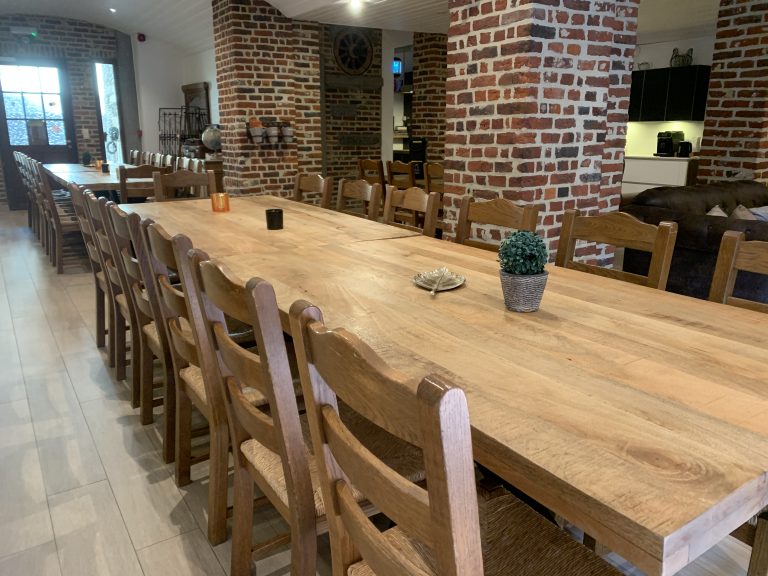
742, 213
717, 211
761, 212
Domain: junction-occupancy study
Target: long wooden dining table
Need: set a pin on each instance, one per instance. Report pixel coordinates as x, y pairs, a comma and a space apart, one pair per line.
90, 176
639, 415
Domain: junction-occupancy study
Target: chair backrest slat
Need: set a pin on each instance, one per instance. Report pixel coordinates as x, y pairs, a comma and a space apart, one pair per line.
372, 171
359, 192
434, 177
166, 185
402, 175
624, 231
415, 200
315, 184
497, 212
737, 254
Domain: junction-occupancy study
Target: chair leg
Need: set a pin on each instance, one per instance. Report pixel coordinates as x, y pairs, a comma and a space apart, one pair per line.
218, 469
242, 522
758, 562
146, 383
137, 350
183, 438
59, 253
101, 328
120, 346
169, 412
111, 334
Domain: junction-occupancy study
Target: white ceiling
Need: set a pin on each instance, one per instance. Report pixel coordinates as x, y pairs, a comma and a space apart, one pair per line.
667, 20
188, 23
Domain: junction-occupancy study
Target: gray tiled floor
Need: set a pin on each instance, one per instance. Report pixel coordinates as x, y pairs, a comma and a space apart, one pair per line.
83, 489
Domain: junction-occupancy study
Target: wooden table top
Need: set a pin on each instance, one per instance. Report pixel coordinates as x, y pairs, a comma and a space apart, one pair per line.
639, 415
244, 229
89, 176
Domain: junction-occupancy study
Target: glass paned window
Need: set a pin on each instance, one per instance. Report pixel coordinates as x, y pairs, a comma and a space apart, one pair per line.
33, 106
30, 78
49, 80
52, 106
56, 135
9, 79
17, 132
13, 106
32, 101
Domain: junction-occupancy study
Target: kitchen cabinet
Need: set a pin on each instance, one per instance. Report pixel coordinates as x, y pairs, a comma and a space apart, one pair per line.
665, 94
643, 172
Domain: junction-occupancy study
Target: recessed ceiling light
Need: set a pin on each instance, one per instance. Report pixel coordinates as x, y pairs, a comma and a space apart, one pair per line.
356, 5
112, 10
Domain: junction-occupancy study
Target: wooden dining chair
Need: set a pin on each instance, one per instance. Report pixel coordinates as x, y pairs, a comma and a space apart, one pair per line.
196, 185
118, 308
157, 159
402, 175
182, 163
169, 161
736, 255
433, 177
101, 289
197, 165
133, 190
497, 212
320, 189
269, 443
440, 529
62, 229
358, 198
372, 171
413, 203
621, 230
191, 388
145, 157
148, 341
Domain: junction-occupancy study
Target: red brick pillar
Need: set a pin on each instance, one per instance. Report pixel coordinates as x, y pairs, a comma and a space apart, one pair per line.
735, 143
267, 67
537, 96
428, 112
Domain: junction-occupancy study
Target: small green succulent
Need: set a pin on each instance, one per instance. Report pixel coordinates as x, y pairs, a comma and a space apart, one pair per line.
523, 253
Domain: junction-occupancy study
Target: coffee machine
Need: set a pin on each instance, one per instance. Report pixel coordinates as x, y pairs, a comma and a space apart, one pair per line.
668, 143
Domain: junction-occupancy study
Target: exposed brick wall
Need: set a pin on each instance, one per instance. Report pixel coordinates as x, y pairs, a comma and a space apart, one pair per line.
267, 68
429, 72
735, 142
537, 96
352, 114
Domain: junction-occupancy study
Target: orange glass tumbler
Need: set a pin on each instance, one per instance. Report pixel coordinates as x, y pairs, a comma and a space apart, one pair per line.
220, 202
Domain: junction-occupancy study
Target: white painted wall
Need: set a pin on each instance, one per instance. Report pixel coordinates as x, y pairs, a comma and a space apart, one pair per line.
390, 39
657, 55
201, 67
158, 67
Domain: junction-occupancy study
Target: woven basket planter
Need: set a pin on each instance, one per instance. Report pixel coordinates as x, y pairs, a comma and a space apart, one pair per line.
523, 293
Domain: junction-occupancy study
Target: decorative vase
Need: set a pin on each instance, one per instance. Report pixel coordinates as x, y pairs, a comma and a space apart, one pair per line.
523, 293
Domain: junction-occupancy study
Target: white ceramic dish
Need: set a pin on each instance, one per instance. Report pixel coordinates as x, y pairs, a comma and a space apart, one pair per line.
439, 280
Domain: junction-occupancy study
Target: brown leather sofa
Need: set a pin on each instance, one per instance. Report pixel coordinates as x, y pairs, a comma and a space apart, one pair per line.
698, 235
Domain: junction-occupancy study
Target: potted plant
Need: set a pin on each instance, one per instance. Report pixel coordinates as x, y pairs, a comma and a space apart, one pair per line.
522, 256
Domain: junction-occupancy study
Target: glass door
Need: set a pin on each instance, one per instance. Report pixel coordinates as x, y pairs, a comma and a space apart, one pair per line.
110, 113
35, 119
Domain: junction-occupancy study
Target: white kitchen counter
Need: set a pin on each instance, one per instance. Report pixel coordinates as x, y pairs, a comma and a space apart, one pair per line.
644, 172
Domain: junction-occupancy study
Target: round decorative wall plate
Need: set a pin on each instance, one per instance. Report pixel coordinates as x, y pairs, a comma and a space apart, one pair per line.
353, 51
